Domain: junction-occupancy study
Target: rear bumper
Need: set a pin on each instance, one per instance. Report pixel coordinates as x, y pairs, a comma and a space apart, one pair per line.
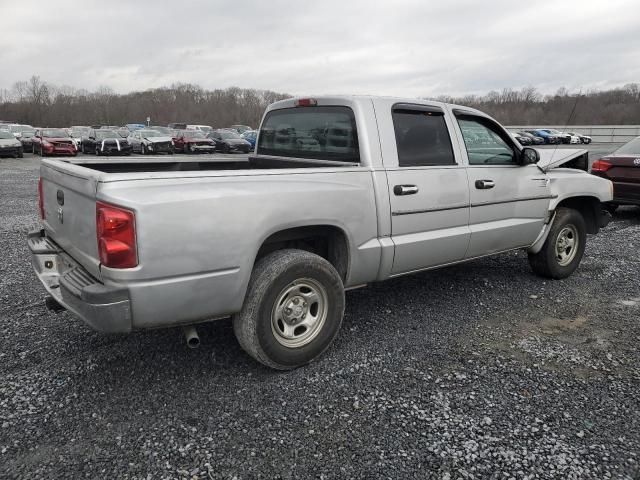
10, 151
104, 308
113, 150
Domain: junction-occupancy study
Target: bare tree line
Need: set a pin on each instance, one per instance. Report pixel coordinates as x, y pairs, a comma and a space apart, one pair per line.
620, 106
37, 102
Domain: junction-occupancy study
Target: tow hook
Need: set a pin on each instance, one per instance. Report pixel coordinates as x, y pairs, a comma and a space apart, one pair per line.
191, 336
53, 305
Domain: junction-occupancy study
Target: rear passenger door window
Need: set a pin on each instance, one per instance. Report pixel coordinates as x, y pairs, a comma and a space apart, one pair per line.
422, 137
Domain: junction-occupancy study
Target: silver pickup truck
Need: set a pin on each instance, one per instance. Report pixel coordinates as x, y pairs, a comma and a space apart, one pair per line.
340, 192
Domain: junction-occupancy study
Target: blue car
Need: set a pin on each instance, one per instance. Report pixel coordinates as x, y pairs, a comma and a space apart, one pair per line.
250, 136
546, 136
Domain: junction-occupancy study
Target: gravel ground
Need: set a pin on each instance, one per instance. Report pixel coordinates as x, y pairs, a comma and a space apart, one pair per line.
478, 371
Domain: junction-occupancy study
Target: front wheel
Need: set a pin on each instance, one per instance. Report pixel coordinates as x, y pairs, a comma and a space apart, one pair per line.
292, 311
562, 251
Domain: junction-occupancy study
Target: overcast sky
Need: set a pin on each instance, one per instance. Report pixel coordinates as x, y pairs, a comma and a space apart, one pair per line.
401, 47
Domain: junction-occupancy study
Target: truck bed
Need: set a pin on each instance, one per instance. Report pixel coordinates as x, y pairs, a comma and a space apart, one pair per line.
168, 163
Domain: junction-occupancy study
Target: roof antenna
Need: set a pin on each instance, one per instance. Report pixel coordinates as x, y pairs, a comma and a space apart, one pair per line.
573, 110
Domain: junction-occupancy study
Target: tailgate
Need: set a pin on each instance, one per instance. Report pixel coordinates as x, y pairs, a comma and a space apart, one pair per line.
69, 197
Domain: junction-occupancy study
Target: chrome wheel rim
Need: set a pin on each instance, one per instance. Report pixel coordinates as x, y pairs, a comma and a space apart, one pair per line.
299, 313
567, 245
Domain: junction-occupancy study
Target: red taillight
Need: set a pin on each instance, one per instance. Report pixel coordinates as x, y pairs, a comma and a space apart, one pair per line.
40, 199
601, 166
116, 228
306, 102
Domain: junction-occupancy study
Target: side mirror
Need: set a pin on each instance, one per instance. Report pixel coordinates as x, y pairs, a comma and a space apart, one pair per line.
529, 156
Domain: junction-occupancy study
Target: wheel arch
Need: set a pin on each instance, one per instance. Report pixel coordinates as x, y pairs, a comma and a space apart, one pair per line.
588, 206
330, 242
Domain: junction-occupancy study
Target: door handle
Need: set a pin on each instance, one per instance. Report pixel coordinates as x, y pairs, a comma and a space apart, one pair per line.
405, 189
484, 184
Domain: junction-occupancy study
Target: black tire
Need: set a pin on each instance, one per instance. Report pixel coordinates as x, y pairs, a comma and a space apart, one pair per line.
97, 151
271, 277
143, 150
546, 262
187, 148
226, 149
82, 148
20, 153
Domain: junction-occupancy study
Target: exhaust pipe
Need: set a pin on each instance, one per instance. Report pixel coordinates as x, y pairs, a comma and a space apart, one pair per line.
191, 336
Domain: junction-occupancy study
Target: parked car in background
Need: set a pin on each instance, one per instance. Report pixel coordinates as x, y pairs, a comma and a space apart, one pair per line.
240, 128
16, 129
105, 142
523, 140
563, 137
250, 136
229, 141
535, 140
206, 129
586, 139
150, 142
177, 126
53, 141
548, 138
26, 139
193, 141
77, 132
10, 146
622, 167
124, 132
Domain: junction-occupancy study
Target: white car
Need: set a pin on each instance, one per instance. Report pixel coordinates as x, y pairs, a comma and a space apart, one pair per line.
206, 129
586, 139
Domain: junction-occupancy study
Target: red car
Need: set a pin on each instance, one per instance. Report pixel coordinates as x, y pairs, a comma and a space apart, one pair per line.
622, 167
193, 141
53, 141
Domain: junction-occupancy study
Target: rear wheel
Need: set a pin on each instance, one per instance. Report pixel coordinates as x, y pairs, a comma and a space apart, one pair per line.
292, 311
562, 251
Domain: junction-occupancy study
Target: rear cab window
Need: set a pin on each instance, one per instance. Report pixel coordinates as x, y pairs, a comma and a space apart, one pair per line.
315, 132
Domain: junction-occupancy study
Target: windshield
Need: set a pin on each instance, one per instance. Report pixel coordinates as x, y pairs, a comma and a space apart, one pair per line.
79, 131
151, 134
321, 133
165, 130
194, 134
6, 134
102, 134
18, 128
54, 133
631, 148
228, 135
